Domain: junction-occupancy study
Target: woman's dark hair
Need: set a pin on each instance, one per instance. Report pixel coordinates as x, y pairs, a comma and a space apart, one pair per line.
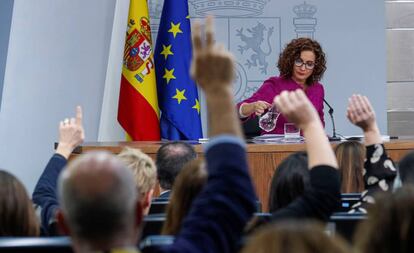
390, 224
406, 169
290, 180
188, 184
292, 52
350, 156
17, 214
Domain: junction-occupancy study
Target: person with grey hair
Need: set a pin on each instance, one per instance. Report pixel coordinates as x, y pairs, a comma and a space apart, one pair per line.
101, 209
99, 215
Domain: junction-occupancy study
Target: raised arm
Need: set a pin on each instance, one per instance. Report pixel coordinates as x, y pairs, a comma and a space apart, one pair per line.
361, 114
219, 213
380, 171
324, 197
297, 108
71, 134
213, 69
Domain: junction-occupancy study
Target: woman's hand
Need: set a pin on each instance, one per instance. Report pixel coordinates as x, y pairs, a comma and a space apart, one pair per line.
361, 114
71, 134
257, 108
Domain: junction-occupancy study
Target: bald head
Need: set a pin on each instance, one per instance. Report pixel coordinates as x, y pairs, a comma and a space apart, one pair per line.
98, 197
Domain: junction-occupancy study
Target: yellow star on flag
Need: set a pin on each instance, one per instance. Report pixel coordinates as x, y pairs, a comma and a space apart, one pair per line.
179, 95
166, 51
197, 106
175, 28
169, 74
188, 17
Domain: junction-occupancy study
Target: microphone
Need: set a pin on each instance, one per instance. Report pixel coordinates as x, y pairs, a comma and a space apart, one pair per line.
331, 111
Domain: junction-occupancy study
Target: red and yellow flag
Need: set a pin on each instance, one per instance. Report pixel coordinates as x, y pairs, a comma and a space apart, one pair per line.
138, 111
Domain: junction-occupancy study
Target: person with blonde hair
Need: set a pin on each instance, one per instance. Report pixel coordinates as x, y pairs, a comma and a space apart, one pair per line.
145, 174
351, 156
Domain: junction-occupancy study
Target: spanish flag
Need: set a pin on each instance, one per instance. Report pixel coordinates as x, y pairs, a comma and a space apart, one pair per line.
138, 111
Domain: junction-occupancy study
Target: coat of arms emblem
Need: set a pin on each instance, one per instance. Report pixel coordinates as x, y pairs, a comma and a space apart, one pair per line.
138, 47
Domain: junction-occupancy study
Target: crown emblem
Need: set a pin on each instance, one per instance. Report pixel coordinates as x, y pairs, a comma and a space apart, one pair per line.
305, 10
229, 8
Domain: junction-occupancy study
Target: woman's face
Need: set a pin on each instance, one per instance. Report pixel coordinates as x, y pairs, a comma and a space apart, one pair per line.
303, 67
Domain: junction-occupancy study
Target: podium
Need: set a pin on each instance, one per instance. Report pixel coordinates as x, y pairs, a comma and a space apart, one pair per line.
263, 158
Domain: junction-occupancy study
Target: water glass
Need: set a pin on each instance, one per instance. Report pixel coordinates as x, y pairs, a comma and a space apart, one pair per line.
291, 131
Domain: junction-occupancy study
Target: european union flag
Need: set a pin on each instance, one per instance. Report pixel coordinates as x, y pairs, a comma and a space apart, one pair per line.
177, 92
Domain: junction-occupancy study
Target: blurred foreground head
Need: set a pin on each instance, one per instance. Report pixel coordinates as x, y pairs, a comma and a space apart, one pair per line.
100, 203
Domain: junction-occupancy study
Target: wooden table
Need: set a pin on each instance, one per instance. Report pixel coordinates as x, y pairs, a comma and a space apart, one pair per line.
263, 158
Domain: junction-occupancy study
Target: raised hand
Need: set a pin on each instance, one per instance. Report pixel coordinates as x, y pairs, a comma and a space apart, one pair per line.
361, 113
297, 108
71, 134
212, 66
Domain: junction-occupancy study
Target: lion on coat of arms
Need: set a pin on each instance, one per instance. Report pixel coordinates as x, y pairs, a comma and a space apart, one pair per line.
254, 42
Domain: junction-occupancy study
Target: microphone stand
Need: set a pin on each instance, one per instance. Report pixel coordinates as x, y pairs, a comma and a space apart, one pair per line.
331, 111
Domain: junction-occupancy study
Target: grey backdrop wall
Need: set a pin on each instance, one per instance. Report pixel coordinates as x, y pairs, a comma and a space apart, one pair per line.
6, 11
57, 59
400, 78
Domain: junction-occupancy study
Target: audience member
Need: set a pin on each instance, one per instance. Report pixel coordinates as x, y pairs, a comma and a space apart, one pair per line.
390, 225
351, 156
294, 237
171, 157
17, 216
188, 184
406, 169
108, 215
145, 174
71, 134
379, 168
323, 197
290, 181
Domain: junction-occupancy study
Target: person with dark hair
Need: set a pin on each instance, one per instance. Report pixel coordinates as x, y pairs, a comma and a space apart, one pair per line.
17, 215
290, 181
188, 184
171, 157
322, 197
406, 169
351, 156
301, 65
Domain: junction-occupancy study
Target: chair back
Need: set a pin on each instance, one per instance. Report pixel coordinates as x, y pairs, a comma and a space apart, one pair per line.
60, 244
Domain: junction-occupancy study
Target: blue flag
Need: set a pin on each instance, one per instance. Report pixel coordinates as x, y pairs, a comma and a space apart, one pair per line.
177, 92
